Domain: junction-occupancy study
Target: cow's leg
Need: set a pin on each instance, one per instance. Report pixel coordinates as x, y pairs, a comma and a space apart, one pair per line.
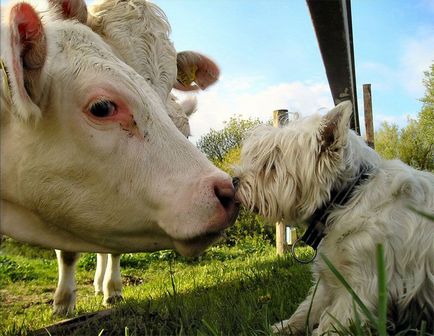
101, 265
112, 280
64, 297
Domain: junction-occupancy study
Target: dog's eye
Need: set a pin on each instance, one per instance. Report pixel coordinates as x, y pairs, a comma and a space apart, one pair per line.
103, 109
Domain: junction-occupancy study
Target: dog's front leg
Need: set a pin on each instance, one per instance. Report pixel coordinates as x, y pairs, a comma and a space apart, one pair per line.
302, 317
341, 309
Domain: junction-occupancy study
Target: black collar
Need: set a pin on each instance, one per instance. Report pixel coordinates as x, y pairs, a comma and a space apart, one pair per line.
317, 222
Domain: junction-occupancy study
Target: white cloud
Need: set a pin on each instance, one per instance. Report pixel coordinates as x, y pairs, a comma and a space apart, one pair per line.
417, 54
400, 120
225, 100
417, 57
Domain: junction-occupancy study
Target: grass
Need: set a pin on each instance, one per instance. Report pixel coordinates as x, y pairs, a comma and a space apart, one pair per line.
240, 290
228, 291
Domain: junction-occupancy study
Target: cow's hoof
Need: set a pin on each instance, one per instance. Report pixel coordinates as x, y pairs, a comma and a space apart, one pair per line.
64, 303
113, 299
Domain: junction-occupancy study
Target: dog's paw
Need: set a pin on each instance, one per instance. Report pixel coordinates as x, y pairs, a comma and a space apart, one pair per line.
281, 327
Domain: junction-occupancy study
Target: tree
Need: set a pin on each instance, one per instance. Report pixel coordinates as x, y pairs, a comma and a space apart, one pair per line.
223, 149
413, 144
386, 141
426, 120
217, 144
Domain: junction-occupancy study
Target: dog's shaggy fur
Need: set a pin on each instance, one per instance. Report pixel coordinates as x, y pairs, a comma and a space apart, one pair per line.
290, 172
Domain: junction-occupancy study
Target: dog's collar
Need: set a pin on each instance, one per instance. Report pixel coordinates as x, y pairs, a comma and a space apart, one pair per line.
317, 222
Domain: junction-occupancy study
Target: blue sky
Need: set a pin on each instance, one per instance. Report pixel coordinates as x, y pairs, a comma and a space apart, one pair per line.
269, 56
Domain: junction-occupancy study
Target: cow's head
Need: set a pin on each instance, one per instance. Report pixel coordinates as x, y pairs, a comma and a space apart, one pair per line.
138, 32
89, 150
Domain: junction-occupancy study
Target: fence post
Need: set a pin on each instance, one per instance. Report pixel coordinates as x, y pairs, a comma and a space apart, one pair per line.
369, 123
280, 118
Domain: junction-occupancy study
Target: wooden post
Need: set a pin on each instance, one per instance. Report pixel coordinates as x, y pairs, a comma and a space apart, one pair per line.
369, 123
280, 118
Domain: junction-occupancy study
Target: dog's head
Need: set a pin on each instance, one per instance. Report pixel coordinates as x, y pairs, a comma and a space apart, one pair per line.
288, 172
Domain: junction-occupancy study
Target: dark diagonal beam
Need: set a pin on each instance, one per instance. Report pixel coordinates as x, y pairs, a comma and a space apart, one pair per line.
333, 27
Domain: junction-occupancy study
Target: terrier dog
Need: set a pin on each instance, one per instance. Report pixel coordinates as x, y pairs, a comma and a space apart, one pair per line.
318, 170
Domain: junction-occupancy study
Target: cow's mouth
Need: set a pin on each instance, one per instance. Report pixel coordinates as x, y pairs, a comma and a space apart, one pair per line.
205, 239
192, 247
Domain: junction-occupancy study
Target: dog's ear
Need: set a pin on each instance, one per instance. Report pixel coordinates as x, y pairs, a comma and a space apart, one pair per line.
24, 51
335, 126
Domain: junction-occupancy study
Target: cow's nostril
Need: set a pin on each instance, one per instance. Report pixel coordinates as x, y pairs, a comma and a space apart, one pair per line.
225, 194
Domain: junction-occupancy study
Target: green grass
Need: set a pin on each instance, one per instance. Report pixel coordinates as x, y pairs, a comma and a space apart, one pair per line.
228, 291
240, 290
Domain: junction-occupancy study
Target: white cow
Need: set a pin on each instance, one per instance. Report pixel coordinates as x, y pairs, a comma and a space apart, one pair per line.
90, 160
139, 32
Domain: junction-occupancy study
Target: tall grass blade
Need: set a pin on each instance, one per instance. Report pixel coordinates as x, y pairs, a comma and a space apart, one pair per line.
382, 292
344, 282
357, 322
422, 213
340, 329
306, 327
422, 331
211, 329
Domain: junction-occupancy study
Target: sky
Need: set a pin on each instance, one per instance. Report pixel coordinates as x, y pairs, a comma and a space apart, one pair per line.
269, 57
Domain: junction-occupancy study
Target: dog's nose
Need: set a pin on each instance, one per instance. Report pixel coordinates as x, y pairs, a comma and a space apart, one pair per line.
236, 182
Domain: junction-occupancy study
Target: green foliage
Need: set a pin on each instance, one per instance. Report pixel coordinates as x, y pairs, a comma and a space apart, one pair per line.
251, 226
386, 141
12, 271
217, 144
87, 261
414, 144
426, 117
223, 149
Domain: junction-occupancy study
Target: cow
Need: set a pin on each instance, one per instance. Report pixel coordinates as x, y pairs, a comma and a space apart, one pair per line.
138, 32
90, 159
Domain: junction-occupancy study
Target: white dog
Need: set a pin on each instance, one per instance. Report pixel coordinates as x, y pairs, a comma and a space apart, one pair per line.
317, 170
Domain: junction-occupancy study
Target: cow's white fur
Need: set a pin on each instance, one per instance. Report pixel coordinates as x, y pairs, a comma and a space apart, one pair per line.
70, 183
138, 32
289, 173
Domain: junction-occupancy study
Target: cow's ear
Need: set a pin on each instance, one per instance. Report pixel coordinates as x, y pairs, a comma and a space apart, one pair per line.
195, 71
71, 9
24, 51
334, 127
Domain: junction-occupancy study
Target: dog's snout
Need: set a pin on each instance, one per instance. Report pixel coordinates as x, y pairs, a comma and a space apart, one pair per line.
236, 182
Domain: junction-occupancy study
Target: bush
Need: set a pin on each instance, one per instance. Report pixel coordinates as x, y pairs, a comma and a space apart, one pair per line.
249, 225
11, 271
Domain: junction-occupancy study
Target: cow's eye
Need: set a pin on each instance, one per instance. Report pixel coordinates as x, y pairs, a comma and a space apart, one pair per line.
103, 109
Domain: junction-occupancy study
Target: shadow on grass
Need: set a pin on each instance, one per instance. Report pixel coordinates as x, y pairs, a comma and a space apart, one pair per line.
267, 293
